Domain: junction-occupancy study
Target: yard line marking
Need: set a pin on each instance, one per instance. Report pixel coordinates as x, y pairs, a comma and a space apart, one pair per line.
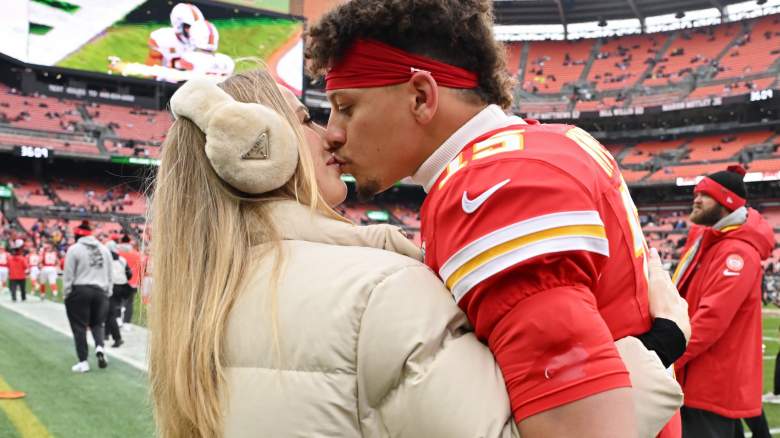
21, 416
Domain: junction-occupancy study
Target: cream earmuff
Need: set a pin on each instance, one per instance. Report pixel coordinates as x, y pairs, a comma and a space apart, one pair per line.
250, 146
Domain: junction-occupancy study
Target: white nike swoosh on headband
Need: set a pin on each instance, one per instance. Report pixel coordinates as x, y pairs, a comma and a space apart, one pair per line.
471, 205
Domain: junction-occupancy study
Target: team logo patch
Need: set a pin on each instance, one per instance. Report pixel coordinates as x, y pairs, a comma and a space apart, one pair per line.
735, 262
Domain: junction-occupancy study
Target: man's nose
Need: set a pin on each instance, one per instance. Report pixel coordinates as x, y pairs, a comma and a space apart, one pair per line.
335, 136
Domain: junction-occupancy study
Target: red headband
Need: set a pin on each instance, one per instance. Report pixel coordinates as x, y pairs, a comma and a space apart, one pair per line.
369, 63
724, 196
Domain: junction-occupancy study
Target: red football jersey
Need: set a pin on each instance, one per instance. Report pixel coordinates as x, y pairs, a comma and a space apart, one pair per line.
34, 259
50, 258
533, 230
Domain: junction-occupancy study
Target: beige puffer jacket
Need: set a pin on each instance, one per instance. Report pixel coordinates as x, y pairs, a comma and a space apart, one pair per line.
370, 344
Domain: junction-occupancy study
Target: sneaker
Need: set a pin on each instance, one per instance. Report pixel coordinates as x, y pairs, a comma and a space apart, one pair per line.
118, 343
101, 357
770, 397
81, 367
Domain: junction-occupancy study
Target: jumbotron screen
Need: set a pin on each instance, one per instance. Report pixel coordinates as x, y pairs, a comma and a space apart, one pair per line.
155, 39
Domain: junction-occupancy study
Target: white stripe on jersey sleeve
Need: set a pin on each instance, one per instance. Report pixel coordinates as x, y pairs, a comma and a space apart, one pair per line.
504, 261
514, 231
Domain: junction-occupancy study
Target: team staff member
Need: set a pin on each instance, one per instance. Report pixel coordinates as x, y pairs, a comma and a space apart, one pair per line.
720, 276
17, 271
86, 288
133, 257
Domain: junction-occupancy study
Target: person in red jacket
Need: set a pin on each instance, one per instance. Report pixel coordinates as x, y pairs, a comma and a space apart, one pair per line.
17, 271
720, 276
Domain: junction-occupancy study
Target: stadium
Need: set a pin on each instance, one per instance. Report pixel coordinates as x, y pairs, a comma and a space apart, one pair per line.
675, 90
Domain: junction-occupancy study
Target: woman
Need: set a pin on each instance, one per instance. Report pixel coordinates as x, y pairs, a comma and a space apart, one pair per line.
275, 317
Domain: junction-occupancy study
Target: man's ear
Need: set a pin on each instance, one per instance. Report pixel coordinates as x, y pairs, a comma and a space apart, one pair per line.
425, 93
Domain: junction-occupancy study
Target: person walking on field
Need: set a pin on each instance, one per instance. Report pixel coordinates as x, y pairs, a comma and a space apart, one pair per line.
720, 276
17, 271
87, 285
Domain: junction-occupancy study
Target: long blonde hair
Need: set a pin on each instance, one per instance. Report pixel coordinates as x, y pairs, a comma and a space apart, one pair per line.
202, 233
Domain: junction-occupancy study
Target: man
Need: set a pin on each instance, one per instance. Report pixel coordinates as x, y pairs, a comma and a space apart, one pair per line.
86, 287
720, 276
120, 274
4, 256
203, 58
133, 257
34, 264
168, 44
51, 261
520, 218
17, 271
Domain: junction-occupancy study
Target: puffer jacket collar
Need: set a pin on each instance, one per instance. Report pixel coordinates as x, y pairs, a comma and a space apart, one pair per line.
295, 221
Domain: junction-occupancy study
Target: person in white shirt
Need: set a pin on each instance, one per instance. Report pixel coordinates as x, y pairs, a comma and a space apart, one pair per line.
204, 59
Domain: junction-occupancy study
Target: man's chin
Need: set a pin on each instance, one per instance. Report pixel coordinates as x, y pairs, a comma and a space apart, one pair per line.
368, 188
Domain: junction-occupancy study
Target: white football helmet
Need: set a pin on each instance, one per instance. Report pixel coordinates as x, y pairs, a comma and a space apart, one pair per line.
204, 36
185, 13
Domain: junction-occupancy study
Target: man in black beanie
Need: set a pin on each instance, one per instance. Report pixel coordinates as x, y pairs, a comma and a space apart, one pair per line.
720, 276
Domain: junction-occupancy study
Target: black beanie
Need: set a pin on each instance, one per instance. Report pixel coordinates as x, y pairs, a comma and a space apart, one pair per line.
732, 179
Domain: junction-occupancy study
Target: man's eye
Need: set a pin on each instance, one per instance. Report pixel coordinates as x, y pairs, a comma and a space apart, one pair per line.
344, 109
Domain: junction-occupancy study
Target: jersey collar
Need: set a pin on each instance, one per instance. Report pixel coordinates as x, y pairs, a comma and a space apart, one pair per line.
489, 119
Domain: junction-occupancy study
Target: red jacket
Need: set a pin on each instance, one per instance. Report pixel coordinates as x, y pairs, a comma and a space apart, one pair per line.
17, 267
133, 258
721, 370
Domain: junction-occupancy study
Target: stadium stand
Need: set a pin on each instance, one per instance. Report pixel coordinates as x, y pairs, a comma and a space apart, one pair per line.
553, 64
132, 123
38, 112
755, 52
672, 172
690, 50
722, 147
643, 152
621, 60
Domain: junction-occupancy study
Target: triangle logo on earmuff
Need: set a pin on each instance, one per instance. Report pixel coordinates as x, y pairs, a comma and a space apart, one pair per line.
260, 150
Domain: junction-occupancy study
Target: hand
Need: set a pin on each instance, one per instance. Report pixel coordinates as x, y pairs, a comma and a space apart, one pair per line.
665, 301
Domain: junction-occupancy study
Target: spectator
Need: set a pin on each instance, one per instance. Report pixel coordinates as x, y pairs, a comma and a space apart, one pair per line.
720, 277
133, 258
17, 271
87, 286
120, 274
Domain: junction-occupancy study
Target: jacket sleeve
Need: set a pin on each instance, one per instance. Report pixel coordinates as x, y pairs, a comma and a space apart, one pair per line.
723, 293
69, 271
422, 369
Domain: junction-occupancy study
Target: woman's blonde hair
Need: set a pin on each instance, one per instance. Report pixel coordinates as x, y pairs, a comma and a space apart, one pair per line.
202, 233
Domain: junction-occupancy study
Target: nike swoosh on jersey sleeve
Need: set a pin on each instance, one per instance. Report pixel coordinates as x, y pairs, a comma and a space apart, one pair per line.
521, 241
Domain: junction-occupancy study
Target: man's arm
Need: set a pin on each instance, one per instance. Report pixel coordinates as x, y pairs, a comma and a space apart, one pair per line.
69, 271
724, 293
608, 414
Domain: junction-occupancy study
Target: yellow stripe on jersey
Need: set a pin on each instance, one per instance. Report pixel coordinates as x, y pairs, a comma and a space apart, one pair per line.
730, 228
592, 147
490, 254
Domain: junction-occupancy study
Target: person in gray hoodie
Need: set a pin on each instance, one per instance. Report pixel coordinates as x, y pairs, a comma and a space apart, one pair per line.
87, 285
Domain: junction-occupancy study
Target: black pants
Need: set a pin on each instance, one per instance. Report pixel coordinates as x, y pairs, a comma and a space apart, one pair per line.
698, 423
777, 374
86, 306
758, 426
129, 303
121, 292
21, 285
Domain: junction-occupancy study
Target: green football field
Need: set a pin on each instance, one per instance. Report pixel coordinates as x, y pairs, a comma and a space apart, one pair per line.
772, 342
238, 38
112, 402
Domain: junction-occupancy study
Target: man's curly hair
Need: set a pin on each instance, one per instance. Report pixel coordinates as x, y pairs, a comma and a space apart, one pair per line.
457, 32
